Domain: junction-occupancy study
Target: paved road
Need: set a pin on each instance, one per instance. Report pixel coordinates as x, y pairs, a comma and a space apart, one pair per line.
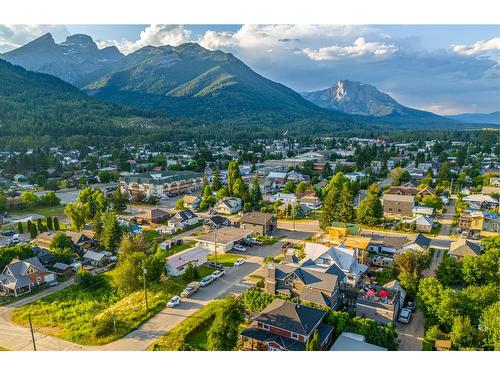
446, 219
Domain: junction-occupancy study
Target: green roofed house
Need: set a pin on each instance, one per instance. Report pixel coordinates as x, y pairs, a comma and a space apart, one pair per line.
161, 183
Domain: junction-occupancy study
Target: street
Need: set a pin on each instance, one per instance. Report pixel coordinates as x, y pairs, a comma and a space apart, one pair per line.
18, 338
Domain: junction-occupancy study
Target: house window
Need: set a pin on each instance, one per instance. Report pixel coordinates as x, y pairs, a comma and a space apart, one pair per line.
265, 327
295, 336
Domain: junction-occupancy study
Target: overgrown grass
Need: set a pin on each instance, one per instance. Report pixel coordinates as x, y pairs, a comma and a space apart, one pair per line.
88, 316
188, 335
384, 276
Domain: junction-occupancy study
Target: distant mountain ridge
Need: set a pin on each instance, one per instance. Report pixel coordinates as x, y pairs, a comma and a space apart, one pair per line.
77, 60
363, 99
477, 118
189, 80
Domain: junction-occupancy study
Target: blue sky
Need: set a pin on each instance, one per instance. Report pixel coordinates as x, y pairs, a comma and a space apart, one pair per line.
446, 69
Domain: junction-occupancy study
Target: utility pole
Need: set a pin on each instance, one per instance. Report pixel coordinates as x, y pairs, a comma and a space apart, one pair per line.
32, 333
215, 248
144, 273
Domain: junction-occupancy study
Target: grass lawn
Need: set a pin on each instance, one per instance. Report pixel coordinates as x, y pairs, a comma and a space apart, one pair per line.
85, 316
227, 260
191, 332
44, 211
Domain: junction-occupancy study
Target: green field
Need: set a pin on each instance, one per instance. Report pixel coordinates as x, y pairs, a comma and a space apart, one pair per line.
178, 248
87, 316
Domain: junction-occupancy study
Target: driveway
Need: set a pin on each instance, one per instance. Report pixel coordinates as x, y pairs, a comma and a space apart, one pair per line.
411, 335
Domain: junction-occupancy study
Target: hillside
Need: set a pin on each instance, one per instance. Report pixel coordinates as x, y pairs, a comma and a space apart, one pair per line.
191, 81
36, 104
366, 100
77, 60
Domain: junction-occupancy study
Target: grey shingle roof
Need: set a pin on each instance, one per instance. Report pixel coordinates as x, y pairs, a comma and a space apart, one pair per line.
291, 316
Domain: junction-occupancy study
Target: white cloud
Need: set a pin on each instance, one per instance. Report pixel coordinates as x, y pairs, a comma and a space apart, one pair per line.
360, 48
153, 35
14, 36
478, 48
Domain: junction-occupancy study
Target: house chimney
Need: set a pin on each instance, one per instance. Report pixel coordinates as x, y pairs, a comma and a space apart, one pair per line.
271, 278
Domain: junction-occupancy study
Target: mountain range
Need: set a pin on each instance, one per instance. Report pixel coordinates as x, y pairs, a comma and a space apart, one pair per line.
366, 100
477, 118
77, 60
189, 81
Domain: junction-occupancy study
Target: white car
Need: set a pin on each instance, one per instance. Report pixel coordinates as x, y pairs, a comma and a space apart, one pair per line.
404, 316
239, 248
216, 274
239, 262
174, 301
206, 281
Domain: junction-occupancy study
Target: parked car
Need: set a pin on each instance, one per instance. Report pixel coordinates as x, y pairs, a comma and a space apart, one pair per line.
254, 241
217, 266
286, 245
239, 262
216, 274
8, 233
412, 306
404, 316
54, 283
240, 248
206, 281
174, 301
464, 234
190, 289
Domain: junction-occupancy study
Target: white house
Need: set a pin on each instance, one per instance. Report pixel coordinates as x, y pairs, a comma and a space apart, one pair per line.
183, 219
176, 264
229, 206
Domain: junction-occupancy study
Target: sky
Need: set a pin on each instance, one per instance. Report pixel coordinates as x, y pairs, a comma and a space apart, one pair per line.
446, 69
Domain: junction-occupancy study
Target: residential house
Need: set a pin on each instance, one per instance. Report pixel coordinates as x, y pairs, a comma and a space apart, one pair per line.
378, 303
183, 219
353, 342
320, 257
422, 210
396, 205
151, 215
223, 239
283, 198
462, 248
215, 222
347, 236
387, 244
191, 201
95, 259
419, 244
81, 240
481, 201
259, 222
176, 264
229, 206
285, 325
423, 223
311, 201
294, 279
20, 276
